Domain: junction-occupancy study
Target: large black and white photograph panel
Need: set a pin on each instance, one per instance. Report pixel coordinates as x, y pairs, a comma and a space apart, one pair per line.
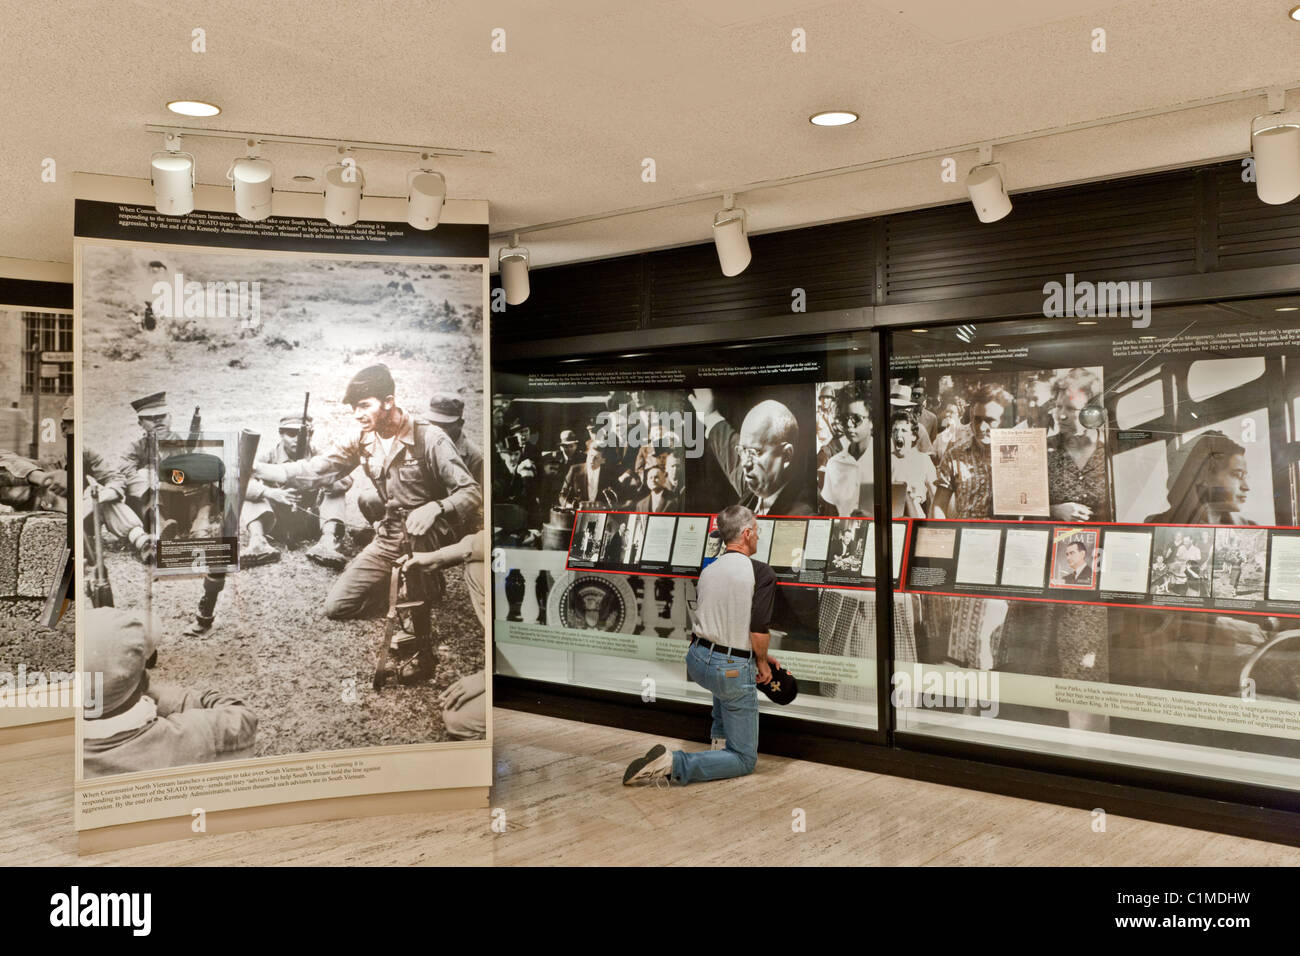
351, 397
36, 415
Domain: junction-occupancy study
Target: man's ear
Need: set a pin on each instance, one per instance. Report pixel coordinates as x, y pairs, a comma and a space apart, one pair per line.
787, 455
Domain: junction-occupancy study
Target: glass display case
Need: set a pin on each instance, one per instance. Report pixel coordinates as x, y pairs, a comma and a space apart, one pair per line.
605, 473
1105, 561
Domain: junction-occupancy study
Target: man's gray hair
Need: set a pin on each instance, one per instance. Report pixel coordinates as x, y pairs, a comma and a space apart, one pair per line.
732, 521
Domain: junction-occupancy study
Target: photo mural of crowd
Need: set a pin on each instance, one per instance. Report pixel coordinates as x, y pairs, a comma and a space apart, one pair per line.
808, 449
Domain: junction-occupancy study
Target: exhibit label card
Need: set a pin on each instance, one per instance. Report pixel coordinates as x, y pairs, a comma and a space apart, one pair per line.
977, 559
818, 541
1019, 460
658, 543
1125, 561
898, 539
1024, 558
1284, 568
787, 544
869, 555
688, 549
764, 540
932, 542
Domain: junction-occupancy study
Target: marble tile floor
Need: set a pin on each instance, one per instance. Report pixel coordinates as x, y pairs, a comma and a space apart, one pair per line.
560, 785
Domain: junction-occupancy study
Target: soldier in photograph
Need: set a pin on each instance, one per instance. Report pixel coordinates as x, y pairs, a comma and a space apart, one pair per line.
448, 413
133, 483
430, 499
298, 513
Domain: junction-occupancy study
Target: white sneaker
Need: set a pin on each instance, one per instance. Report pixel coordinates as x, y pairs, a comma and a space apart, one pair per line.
657, 762
718, 743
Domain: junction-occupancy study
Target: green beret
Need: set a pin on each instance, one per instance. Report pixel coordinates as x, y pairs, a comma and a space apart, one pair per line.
191, 468
375, 381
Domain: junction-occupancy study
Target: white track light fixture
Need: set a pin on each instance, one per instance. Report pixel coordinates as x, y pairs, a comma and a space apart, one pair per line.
731, 238
512, 263
171, 173
1276, 148
988, 191
343, 184
425, 193
251, 178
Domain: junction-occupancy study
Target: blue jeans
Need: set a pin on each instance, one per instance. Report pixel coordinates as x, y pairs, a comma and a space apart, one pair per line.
735, 716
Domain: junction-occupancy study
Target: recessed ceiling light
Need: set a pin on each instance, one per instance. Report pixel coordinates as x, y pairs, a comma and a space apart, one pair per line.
1145, 338
304, 178
1087, 322
193, 108
1287, 308
1295, 13
833, 118
992, 345
920, 330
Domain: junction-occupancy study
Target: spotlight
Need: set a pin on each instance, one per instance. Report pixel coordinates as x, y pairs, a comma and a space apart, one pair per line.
730, 238
1277, 162
343, 185
425, 192
193, 108
251, 178
512, 262
172, 174
833, 118
988, 194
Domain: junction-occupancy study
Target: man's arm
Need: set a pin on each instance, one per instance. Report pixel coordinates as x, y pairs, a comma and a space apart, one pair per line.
256, 489
760, 617
945, 476
464, 495
720, 436
722, 441
227, 723
338, 461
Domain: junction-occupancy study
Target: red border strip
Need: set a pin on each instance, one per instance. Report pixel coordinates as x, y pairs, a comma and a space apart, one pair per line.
701, 514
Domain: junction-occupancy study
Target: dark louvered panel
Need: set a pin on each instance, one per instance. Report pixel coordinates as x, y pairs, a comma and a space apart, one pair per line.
1253, 233
589, 297
1105, 232
832, 264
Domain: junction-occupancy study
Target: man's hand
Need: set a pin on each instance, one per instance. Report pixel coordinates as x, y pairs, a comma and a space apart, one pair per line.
421, 519
286, 496
702, 400
463, 691
41, 479
764, 672
432, 560
107, 494
1071, 511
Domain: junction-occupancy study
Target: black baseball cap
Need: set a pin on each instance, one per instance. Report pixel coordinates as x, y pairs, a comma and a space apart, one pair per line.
782, 688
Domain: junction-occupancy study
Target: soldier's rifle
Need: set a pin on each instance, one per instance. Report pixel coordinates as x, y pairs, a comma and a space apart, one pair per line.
101, 591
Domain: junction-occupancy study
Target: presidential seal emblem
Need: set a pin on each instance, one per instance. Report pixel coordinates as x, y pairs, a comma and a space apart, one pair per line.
586, 601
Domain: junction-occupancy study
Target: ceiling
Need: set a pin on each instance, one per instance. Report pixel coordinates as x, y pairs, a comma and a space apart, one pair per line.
587, 89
